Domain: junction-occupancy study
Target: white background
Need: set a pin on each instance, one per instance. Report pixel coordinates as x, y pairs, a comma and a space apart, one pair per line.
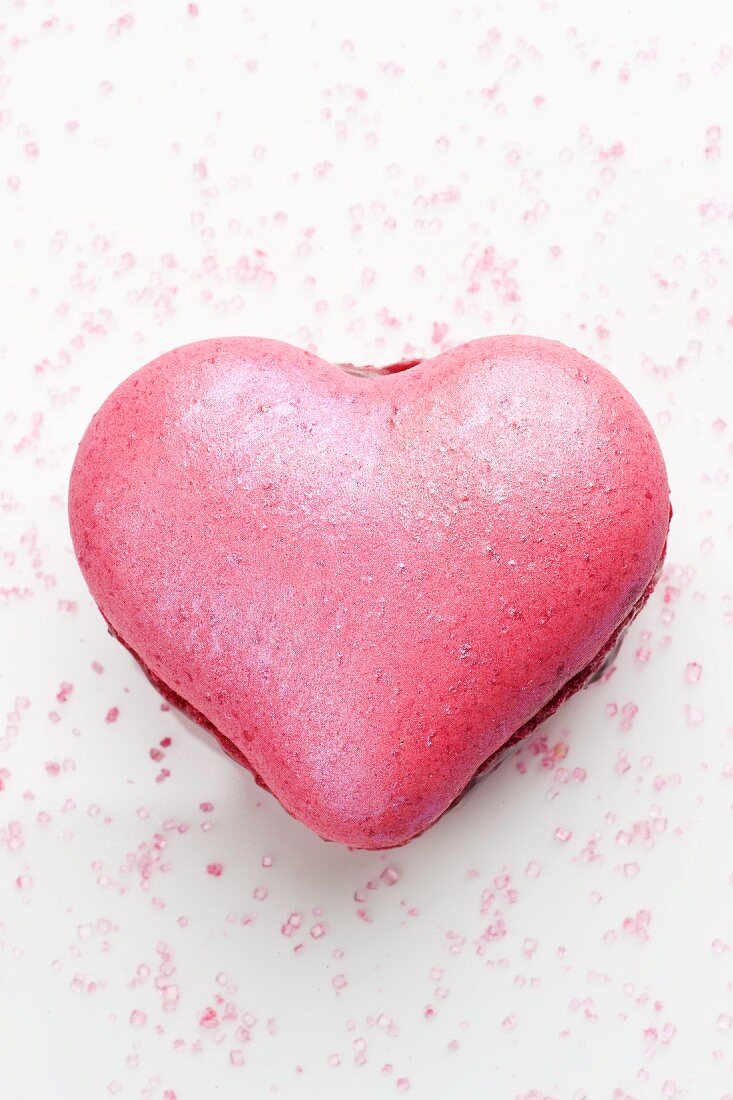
373, 181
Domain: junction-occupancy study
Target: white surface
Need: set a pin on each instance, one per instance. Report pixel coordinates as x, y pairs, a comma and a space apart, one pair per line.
123, 238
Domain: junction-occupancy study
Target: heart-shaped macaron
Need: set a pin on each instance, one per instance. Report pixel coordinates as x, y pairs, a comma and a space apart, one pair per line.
365, 583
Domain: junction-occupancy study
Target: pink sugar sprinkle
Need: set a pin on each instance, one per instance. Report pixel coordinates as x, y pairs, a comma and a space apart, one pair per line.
112, 715
291, 924
693, 672
138, 1018
622, 764
339, 981
390, 875
563, 834
214, 869
236, 1057
638, 925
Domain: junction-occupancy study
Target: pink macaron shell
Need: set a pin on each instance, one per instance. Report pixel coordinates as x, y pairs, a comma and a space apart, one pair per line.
368, 585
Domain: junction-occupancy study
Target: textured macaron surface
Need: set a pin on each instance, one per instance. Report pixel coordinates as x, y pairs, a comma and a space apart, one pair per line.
367, 584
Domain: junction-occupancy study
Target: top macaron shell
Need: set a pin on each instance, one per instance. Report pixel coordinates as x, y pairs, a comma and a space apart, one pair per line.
367, 585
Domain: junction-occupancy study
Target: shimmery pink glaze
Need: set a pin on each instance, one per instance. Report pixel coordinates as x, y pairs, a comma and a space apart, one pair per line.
367, 583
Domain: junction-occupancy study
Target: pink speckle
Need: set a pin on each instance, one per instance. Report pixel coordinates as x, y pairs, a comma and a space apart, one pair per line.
215, 869
629, 712
291, 924
64, 692
12, 837
122, 23
112, 715
694, 716
693, 672
138, 1018
638, 925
